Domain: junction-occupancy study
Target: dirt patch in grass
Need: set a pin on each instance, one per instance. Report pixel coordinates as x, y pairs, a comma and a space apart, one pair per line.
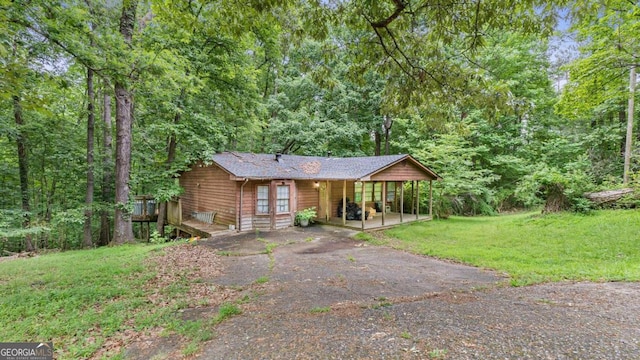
180, 285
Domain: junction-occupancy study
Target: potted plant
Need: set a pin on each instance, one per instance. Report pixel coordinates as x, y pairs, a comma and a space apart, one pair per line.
305, 216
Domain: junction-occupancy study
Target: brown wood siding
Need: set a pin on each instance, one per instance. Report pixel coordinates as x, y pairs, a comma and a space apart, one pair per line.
307, 195
404, 170
336, 195
261, 222
208, 188
283, 221
247, 223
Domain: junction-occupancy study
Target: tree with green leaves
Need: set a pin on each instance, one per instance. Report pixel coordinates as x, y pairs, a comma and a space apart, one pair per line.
602, 79
425, 49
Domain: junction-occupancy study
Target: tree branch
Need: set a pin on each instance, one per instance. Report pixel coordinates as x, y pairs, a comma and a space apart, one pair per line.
46, 35
390, 55
400, 6
475, 27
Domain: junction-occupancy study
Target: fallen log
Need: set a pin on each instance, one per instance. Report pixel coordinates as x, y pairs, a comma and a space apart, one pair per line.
607, 196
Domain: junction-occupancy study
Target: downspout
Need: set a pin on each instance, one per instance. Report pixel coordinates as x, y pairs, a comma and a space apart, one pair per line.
241, 197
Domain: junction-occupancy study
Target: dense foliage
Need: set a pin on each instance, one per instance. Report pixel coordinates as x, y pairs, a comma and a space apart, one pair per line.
461, 86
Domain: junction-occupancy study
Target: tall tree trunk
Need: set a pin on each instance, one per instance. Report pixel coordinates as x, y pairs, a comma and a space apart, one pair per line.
23, 169
107, 172
388, 122
88, 212
630, 111
378, 140
123, 231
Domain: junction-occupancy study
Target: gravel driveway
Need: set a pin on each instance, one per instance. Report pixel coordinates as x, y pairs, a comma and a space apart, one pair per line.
329, 296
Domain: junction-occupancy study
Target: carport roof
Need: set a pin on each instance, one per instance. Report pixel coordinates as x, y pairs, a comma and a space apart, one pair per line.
296, 167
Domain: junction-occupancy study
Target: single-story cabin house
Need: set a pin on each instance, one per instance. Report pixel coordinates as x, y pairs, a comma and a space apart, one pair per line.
246, 191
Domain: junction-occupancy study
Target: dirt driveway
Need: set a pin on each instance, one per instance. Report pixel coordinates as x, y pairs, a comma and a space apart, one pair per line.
328, 296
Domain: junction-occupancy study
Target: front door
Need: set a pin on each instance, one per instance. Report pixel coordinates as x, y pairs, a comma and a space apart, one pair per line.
324, 212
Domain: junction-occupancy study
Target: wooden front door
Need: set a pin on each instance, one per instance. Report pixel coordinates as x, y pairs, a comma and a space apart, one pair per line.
324, 212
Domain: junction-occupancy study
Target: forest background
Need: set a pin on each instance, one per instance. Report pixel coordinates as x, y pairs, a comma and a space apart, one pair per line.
103, 100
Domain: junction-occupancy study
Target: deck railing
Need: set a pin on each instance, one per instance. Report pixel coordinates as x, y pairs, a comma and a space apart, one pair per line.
144, 208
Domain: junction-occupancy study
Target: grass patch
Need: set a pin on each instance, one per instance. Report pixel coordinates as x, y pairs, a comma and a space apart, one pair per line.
382, 304
227, 310
319, 310
191, 349
228, 253
76, 299
437, 354
262, 280
603, 246
268, 248
199, 331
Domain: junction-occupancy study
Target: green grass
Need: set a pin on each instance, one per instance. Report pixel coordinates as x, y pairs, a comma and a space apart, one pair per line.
319, 310
227, 310
437, 354
603, 246
199, 331
77, 298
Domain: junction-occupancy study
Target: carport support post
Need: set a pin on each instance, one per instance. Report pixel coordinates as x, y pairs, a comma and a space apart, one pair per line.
344, 202
417, 199
413, 199
431, 198
362, 210
401, 200
384, 200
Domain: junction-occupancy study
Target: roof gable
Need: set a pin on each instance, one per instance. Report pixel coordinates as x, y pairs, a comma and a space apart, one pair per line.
268, 166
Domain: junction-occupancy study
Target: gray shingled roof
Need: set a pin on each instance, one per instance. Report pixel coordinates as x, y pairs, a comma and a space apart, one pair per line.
265, 166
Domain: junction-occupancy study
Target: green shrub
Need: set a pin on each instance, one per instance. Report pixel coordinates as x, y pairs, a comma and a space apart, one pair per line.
558, 189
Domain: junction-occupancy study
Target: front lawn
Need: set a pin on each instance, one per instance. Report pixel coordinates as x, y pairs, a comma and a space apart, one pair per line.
76, 299
93, 303
531, 248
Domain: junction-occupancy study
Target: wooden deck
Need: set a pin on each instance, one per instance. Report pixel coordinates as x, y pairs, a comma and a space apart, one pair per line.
204, 230
390, 220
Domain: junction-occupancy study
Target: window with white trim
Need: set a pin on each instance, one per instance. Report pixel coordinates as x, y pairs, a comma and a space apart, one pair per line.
262, 204
282, 199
